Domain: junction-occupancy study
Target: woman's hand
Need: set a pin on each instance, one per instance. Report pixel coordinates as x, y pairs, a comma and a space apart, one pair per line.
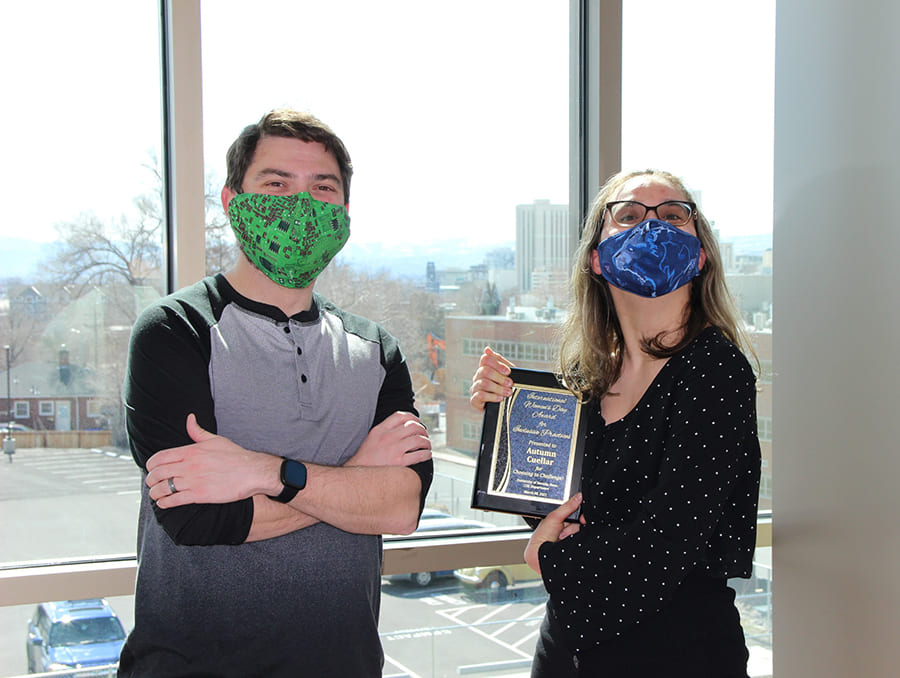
491, 382
553, 528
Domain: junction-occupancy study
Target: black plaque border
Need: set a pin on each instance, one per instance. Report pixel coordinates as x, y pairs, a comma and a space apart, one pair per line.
484, 500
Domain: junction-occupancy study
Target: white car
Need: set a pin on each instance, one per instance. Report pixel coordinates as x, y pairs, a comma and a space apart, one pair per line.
432, 522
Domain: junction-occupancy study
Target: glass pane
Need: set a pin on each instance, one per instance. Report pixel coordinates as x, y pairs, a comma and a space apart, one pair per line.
82, 253
718, 135
97, 627
454, 149
456, 117
452, 628
465, 627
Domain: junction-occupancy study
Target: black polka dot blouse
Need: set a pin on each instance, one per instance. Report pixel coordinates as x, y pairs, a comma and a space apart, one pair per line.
669, 489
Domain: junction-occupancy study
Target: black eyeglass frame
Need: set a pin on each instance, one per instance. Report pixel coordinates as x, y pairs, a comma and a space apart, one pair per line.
647, 208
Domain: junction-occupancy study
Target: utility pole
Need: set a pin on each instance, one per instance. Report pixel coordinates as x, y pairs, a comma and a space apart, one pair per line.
9, 443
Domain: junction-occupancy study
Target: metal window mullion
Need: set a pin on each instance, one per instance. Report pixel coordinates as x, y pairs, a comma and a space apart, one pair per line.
595, 109
182, 143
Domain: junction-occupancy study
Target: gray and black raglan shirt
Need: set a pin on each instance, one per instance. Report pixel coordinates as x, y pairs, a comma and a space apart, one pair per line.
308, 387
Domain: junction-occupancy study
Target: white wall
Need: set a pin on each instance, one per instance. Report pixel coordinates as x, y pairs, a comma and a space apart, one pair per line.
837, 307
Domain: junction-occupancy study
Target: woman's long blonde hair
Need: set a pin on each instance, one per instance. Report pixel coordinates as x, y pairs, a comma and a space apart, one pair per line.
592, 345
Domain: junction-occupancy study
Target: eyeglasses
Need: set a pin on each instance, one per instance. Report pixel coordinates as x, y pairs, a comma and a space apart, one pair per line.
631, 212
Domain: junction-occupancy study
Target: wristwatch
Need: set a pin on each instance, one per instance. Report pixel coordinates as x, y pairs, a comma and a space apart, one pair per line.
293, 477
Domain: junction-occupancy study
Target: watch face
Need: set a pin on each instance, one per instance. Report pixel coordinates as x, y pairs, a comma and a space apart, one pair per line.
293, 474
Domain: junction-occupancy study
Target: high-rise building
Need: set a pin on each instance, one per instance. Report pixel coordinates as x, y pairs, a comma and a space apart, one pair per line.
543, 241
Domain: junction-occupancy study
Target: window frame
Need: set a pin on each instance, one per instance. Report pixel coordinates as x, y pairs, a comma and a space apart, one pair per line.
94, 408
595, 153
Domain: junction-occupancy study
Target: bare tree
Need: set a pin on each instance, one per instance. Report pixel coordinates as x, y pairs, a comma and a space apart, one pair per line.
19, 327
221, 247
98, 253
130, 249
401, 307
113, 268
118, 260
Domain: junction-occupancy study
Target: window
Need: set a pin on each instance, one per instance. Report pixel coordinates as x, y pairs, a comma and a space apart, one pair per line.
728, 97
447, 145
82, 254
471, 432
764, 429
449, 169
94, 409
517, 351
84, 167
442, 259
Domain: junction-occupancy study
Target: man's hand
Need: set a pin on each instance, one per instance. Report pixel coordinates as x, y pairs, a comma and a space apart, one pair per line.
211, 470
553, 528
400, 440
491, 382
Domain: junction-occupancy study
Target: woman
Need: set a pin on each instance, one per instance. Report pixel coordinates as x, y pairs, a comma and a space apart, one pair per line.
671, 469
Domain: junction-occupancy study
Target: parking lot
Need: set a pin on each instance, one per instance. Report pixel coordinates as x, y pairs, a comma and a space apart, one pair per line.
84, 502
76, 502
460, 630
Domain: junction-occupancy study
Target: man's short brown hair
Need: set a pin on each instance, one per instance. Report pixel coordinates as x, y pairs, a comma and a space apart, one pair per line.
284, 122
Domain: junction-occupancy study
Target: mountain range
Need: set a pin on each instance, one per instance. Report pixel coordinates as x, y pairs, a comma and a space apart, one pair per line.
409, 261
21, 258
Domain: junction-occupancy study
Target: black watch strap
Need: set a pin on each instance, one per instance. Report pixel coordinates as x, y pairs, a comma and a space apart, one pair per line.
293, 477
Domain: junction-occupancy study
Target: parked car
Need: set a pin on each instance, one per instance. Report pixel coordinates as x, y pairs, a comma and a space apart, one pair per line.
15, 426
495, 576
441, 521
432, 514
433, 521
69, 634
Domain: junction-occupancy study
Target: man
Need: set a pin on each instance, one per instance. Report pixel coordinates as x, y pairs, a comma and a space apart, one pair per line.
278, 435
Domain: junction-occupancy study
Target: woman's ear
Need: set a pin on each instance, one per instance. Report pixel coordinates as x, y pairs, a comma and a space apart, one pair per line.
702, 259
595, 262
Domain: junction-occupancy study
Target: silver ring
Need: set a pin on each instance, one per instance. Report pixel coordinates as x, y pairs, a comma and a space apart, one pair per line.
172, 486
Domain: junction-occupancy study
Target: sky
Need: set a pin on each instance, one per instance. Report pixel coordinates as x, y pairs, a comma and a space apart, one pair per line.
453, 112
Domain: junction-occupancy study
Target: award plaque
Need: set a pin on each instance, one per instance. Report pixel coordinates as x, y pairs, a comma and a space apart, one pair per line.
529, 460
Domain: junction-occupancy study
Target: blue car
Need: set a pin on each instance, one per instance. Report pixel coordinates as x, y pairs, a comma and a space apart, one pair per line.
71, 634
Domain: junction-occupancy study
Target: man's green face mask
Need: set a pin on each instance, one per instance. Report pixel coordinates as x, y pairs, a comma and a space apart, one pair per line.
290, 238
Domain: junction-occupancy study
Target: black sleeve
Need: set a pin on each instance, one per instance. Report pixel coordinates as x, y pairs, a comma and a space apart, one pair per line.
610, 576
167, 379
396, 395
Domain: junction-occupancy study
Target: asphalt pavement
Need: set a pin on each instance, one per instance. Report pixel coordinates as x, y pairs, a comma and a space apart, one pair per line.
80, 503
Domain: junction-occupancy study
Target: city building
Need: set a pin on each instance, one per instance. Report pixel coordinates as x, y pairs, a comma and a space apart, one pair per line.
527, 342
544, 241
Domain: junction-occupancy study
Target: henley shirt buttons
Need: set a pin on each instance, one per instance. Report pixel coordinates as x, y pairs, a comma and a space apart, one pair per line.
303, 378
299, 351
287, 329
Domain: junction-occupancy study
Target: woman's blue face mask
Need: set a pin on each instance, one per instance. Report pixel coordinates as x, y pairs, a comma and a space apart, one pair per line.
650, 259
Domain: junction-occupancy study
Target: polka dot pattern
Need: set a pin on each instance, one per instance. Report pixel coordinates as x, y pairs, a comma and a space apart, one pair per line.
669, 489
